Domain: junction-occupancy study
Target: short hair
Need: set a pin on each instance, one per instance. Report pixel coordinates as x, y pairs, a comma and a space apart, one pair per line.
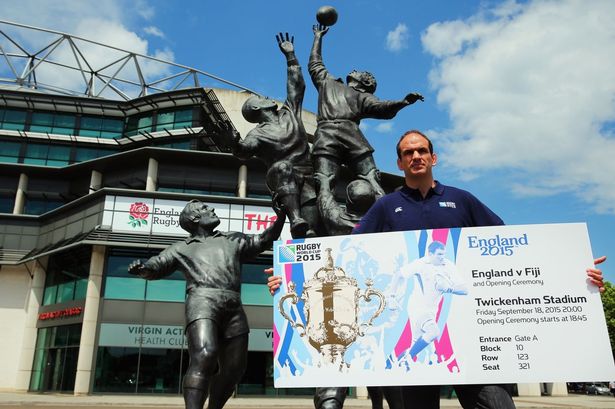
435, 245
187, 216
366, 79
411, 132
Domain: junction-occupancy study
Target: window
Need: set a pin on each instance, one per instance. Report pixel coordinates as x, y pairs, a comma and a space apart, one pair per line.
9, 151
83, 154
55, 359
12, 119
38, 205
138, 123
67, 276
101, 127
62, 124
174, 119
121, 285
50, 155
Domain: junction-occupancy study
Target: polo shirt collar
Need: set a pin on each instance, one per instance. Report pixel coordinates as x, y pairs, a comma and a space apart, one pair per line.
192, 239
438, 189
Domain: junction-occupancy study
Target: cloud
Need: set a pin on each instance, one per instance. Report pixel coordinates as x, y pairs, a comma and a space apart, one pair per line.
153, 31
384, 127
530, 88
397, 39
113, 22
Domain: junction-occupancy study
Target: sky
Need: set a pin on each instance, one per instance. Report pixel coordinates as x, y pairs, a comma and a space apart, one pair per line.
519, 95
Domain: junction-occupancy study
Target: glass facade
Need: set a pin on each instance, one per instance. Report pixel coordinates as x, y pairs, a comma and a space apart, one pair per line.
55, 359
12, 119
120, 285
59, 154
139, 370
67, 276
99, 127
159, 121
53, 123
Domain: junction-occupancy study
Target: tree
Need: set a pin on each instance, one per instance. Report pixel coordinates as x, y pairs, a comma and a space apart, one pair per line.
608, 303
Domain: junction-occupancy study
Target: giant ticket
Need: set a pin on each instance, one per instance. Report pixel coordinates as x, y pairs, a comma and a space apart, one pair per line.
499, 304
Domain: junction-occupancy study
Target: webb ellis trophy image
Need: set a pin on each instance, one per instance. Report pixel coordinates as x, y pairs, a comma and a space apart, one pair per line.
331, 307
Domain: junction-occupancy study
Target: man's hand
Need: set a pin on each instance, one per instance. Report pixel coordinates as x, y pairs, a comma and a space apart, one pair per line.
136, 268
595, 274
319, 30
412, 97
273, 282
285, 44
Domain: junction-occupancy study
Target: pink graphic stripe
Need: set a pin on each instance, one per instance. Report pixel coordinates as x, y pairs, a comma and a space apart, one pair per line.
404, 340
276, 340
440, 235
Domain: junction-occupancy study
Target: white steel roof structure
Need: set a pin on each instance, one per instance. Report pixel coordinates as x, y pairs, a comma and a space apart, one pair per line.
65, 64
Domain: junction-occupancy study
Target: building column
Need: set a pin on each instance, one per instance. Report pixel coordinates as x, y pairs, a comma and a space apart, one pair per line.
152, 175
361, 392
242, 181
95, 181
528, 389
20, 196
557, 389
87, 345
28, 348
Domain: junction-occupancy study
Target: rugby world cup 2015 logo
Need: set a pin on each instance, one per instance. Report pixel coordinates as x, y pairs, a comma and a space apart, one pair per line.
287, 254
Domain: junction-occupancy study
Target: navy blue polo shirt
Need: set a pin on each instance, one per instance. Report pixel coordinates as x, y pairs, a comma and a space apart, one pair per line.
443, 207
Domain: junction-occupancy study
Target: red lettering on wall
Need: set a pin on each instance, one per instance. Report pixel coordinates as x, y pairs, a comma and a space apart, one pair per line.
67, 312
259, 221
249, 216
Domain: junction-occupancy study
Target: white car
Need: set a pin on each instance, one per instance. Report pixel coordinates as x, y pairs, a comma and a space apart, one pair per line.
597, 389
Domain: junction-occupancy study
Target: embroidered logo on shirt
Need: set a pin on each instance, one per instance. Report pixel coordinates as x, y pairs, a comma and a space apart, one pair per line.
398, 209
448, 204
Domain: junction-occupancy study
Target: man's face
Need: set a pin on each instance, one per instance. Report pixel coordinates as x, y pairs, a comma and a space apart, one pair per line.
415, 161
264, 103
437, 257
207, 217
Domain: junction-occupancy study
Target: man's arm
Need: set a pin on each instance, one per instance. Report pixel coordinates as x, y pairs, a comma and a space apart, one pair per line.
295, 84
450, 283
316, 68
372, 107
244, 149
373, 221
261, 242
156, 267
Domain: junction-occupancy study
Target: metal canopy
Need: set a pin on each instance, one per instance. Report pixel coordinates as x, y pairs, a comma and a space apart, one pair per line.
69, 65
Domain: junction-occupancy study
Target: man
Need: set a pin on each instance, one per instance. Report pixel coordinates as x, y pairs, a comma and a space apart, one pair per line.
341, 107
435, 275
418, 206
216, 324
280, 141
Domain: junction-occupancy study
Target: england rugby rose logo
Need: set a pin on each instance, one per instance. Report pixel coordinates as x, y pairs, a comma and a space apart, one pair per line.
138, 214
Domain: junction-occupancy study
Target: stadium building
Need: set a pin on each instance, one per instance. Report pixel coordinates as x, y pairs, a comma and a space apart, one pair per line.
94, 176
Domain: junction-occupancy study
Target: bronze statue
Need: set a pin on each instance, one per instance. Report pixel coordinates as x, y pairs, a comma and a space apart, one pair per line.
280, 141
338, 139
216, 324
339, 220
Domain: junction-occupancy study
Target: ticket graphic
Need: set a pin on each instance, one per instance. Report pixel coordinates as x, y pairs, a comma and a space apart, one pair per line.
445, 306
